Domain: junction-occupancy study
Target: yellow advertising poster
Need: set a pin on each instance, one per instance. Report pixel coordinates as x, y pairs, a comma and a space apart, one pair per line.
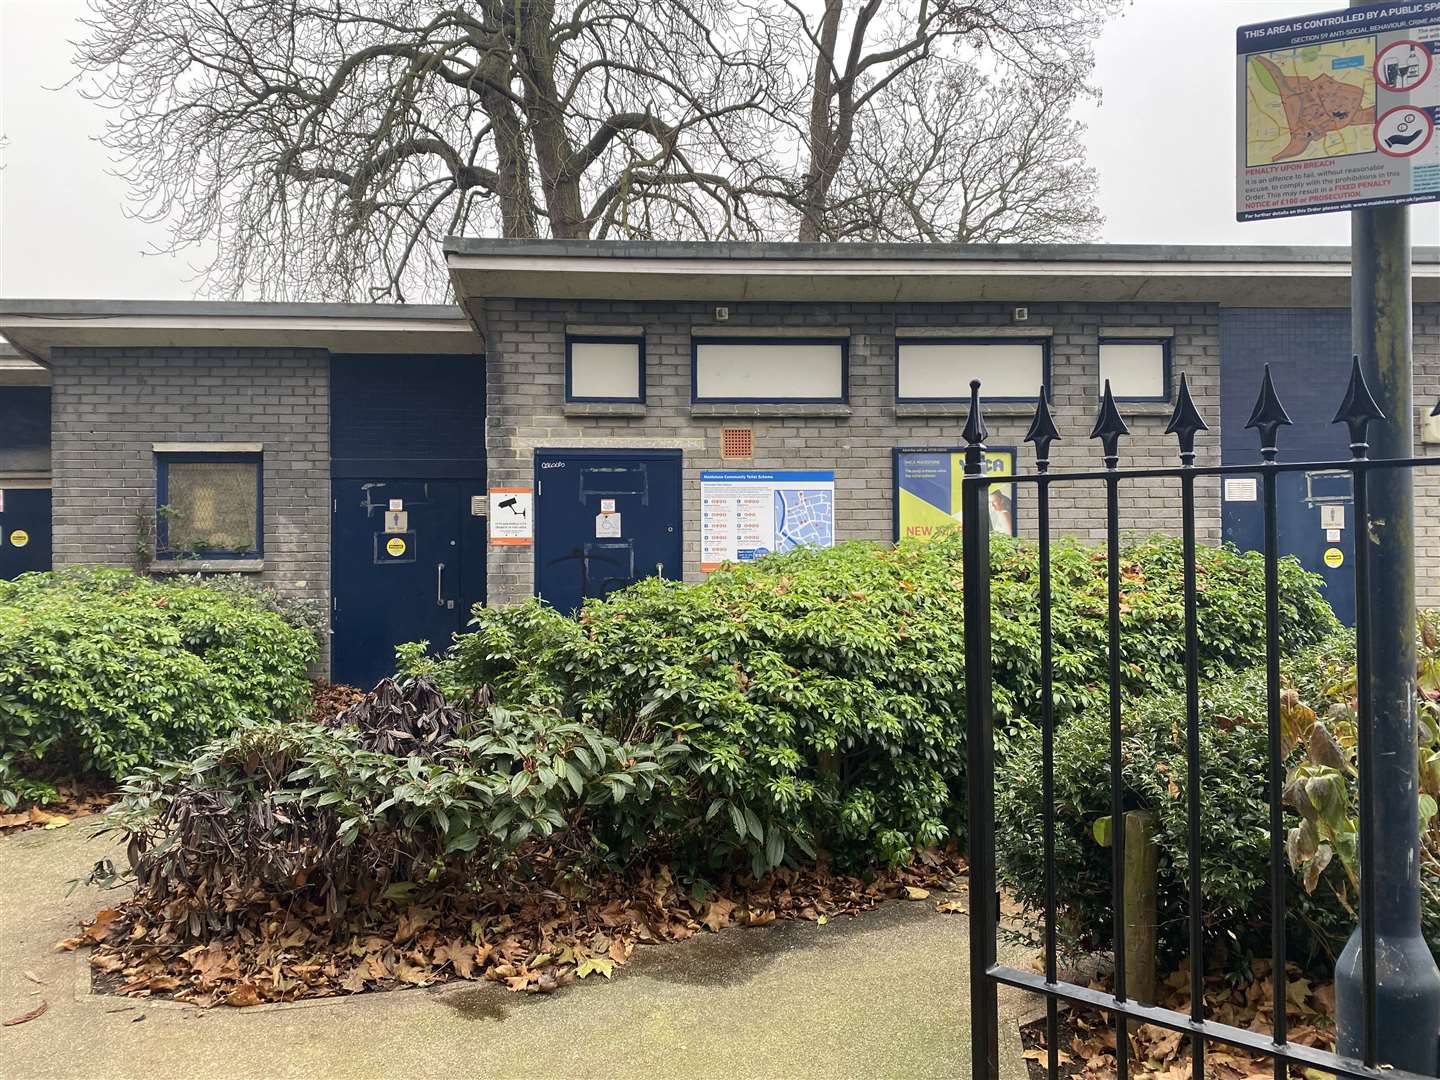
928, 484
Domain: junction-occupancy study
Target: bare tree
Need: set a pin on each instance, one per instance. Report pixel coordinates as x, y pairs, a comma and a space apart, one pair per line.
898, 85
327, 147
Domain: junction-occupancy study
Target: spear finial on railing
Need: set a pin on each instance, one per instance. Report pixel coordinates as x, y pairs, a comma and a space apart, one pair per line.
1358, 410
1042, 432
1269, 416
975, 431
1109, 427
1186, 422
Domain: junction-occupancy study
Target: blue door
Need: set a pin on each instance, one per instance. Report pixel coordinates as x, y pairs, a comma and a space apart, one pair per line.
1308, 351
408, 563
24, 531
604, 519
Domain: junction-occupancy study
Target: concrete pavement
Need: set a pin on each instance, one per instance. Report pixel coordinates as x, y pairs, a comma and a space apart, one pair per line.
883, 995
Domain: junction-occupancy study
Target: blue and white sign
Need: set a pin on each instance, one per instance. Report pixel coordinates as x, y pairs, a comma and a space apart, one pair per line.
1338, 110
746, 514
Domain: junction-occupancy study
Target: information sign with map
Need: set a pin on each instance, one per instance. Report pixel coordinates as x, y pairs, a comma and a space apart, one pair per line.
745, 515
1338, 110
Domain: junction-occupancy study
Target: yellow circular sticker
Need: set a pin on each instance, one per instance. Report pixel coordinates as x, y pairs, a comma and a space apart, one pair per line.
395, 546
1334, 557
19, 538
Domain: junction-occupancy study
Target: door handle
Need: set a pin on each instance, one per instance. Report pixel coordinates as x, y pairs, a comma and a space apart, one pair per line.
440, 584
660, 569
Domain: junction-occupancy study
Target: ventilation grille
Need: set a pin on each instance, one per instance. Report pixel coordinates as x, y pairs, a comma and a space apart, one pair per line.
737, 444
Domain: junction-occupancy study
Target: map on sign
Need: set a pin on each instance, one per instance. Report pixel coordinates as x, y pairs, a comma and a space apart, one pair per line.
1310, 102
804, 516
1337, 110
747, 514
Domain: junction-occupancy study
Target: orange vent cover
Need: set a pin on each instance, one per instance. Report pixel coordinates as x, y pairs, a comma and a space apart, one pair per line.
737, 444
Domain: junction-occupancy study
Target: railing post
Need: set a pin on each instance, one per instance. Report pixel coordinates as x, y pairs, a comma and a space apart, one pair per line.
980, 754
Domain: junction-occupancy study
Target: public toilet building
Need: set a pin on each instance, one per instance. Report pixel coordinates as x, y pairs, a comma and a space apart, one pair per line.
595, 412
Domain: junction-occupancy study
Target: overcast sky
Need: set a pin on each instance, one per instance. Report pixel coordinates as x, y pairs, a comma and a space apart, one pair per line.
1162, 140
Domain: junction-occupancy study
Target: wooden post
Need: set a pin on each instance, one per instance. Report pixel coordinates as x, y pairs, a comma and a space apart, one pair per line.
1142, 858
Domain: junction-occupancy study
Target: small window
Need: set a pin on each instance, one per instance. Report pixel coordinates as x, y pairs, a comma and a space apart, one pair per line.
803, 370
604, 368
940, 369
209, 506
1138, 368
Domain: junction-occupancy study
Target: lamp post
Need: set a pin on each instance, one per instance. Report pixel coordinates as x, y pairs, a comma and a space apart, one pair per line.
1400, 1024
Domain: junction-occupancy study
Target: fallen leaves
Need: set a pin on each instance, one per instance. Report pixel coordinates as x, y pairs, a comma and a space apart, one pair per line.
25, 1018
1159, 1053
531, 936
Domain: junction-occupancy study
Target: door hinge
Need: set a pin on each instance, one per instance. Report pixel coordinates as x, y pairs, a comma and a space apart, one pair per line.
334, 506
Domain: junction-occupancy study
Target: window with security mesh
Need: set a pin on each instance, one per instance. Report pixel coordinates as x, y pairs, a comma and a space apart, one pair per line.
737, 444
209, 506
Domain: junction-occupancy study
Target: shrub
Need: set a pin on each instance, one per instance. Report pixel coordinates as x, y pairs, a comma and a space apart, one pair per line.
1234, 811
822, 691
103, 670
348, 812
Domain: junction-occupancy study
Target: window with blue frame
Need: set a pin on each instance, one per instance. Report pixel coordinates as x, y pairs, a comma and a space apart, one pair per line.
604, 368
1138, 368
937, 370
770, 370
209, 506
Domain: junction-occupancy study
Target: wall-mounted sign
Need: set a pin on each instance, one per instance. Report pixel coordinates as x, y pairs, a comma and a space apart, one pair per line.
395, 547
19, 538
1338, 110
746, 514
397, 521
512, 516
928, 486
1241, 489
1334, 557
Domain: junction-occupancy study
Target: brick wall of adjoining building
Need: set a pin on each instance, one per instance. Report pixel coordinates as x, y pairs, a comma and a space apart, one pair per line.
526, 410
1427, 480
110, 406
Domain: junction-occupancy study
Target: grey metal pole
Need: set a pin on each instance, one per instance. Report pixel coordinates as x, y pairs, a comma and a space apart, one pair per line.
1401, 1027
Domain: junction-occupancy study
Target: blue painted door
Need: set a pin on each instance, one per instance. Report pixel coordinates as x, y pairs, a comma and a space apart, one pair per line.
24, 531
395, 579
1308, 351
604, 520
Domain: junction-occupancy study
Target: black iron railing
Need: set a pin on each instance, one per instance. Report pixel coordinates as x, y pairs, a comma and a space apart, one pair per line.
1357, 411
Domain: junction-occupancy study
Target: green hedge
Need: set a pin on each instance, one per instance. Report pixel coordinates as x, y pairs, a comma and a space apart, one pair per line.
103, 670
822, 691
1234, 811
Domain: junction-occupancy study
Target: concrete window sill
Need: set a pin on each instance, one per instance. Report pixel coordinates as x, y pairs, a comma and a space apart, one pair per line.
768, 409
605, 408
206, 566
962, 408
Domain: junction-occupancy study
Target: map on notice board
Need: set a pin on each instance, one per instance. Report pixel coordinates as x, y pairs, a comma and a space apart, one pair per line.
745, 515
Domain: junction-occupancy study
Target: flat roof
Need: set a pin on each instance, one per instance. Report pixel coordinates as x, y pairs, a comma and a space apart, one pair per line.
35, 327
1232, 275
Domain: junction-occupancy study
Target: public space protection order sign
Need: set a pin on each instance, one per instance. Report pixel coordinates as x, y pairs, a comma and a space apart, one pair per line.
1338, 110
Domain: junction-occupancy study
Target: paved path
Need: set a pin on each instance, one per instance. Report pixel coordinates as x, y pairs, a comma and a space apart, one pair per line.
884, 995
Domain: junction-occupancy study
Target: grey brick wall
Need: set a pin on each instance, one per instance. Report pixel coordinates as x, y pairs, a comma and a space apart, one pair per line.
526, 410
1427, 480
110, 406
